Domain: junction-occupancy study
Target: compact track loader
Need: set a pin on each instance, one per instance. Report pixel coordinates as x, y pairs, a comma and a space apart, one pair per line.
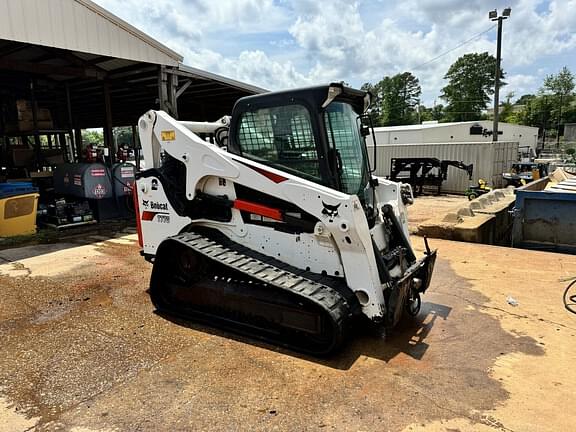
270, 222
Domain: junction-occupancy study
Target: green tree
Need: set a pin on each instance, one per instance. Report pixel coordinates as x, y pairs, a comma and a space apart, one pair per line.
569, 113
554, 102
523, 110
537, 111
525, 99
507, 114
92, 136
123, 136
429, 114
470, 86
438, 112
425, 113
399, 99
375, 110
561, 85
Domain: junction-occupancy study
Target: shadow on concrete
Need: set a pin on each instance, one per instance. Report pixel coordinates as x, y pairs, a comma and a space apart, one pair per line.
24, 252
49, 241
469, 336
408, 337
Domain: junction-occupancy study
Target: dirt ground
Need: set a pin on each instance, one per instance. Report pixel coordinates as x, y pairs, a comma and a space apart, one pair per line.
83, 351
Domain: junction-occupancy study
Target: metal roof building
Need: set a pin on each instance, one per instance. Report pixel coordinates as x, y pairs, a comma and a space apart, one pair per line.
469, 131
89, 68
80, 25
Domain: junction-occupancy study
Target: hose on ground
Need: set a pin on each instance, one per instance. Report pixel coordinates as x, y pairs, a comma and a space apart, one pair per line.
570, 307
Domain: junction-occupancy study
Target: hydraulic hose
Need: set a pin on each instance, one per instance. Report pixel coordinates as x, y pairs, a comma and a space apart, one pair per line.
570, 307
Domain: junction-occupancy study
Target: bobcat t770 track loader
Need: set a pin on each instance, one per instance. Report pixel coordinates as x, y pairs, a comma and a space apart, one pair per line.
270, 222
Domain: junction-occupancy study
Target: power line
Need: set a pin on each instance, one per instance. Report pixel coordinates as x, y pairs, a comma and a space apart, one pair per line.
456, 47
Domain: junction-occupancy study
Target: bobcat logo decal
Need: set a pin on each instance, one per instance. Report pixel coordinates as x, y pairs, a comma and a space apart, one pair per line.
331, 211
145, 203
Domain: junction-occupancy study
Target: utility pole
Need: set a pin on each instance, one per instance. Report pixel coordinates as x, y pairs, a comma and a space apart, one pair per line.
493, 15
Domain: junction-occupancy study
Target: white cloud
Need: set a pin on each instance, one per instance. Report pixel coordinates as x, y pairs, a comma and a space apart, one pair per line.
279, 43
283, 43
520, 84
192, 18
530, 35
344, 48
252, 67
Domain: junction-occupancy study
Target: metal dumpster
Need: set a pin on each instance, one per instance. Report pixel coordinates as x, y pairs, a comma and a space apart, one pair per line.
545, 214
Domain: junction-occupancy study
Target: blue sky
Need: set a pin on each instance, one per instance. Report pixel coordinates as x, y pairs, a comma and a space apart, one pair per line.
280, 44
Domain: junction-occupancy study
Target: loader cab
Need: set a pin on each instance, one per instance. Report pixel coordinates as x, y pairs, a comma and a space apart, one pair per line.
314, 133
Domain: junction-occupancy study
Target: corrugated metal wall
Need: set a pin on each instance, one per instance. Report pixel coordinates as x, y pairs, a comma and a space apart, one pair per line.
490, 160
78, 25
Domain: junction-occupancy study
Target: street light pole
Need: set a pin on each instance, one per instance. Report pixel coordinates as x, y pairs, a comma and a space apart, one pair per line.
493, 15
497, 82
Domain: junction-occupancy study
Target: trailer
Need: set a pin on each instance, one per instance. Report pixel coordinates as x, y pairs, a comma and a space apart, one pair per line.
490, 160
425, 172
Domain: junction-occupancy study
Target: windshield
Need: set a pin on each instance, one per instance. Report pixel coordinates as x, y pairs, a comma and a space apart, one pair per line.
344, 136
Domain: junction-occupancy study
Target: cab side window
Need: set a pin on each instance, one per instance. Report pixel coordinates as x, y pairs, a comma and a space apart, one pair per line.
281, 137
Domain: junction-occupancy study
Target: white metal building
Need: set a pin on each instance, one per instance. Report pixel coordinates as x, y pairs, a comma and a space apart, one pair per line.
471, 131
80, 25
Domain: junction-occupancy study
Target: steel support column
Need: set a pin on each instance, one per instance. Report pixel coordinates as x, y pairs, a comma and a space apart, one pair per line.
108, 136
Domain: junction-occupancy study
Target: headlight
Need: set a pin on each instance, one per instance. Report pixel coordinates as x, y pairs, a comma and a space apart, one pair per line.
406, 194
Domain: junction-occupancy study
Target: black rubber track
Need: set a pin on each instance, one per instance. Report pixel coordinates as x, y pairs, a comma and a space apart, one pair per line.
204, 276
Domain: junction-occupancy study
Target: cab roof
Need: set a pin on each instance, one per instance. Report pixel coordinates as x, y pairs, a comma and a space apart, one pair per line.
314, 97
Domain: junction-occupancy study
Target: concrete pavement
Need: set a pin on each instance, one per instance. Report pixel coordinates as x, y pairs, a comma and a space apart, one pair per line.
82, 350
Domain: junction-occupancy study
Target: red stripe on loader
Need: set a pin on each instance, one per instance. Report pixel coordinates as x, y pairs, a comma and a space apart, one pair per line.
148, 215
276, 178
258, 209
137, 213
